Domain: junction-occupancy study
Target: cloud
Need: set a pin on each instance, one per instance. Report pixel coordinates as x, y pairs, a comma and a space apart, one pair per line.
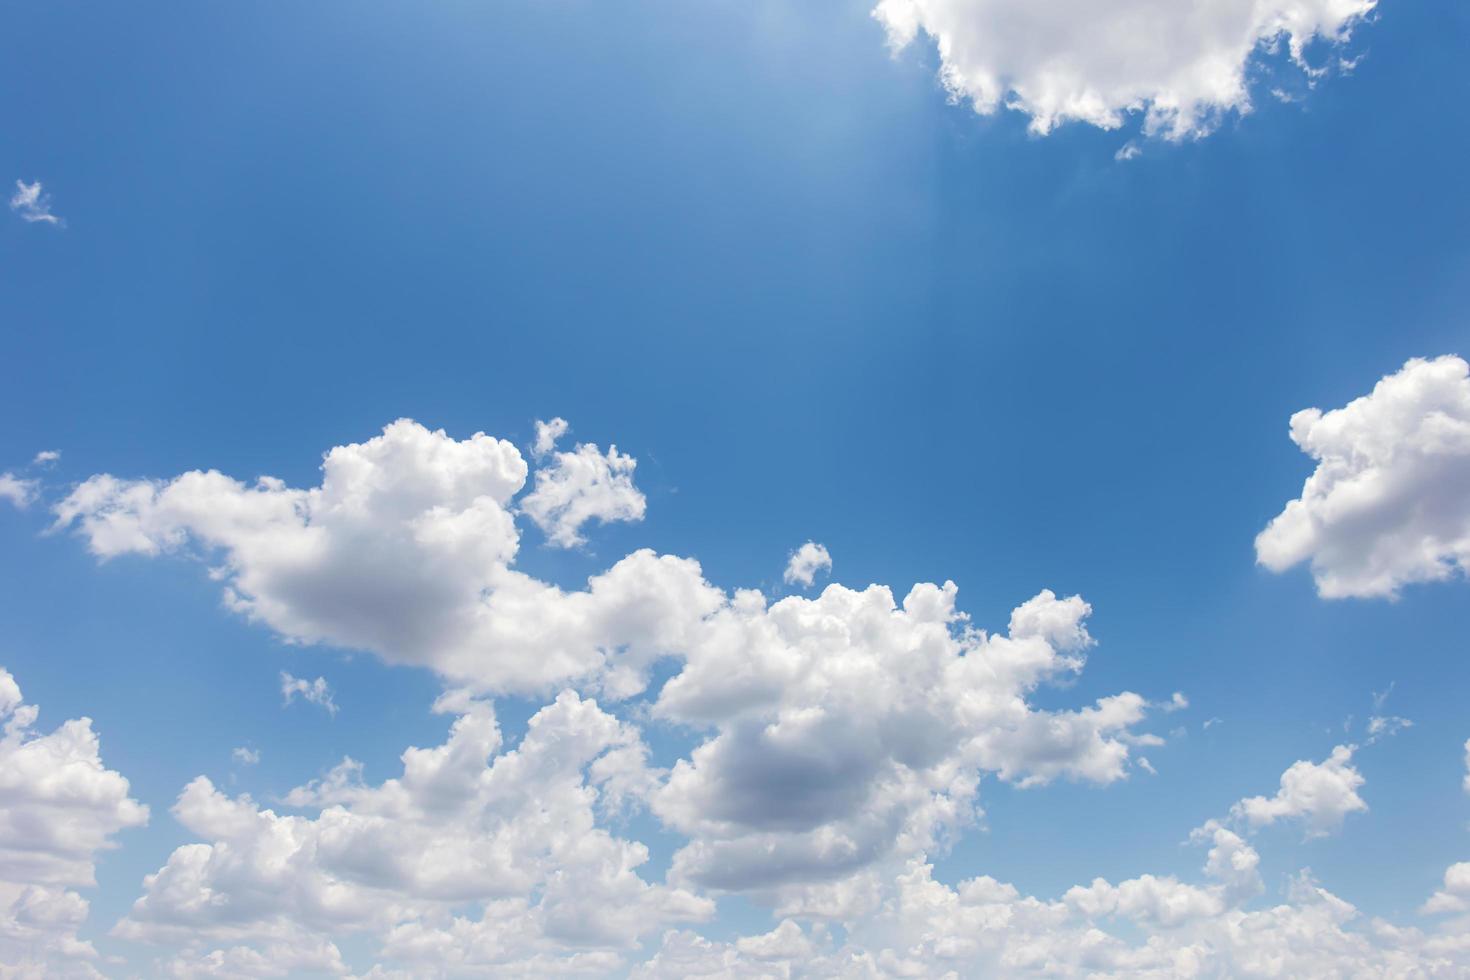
805, 562
1148, 926
20, 492
834, 733
316, 692
32, 204
579, 486
1454, 897
477, 859
46, 457
1385, 507
59, 806
849, 729
1182, 66
1321, 795
547, 434
245, 756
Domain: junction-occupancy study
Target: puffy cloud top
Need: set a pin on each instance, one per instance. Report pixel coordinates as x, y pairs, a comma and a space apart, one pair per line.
1387, 505
1181, 65
59, 806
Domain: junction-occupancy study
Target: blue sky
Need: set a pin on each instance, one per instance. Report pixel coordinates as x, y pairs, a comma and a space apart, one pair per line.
817, 297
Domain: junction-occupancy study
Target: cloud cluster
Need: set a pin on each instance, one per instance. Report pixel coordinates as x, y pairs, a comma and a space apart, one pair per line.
59, 806
1386, 506
838, 742
1181, 65
512, 834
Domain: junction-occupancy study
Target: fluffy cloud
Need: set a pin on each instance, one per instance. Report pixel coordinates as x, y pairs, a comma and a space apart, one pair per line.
1320, 794
1181, 65
1455, 895
1386, 505
59, 806
32, 204
1148, 926
315, 692
580, 486
404, 550
245, 756
476, 859
849, 729
805, 562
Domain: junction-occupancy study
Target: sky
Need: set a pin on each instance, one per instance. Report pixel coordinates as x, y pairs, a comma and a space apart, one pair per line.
638, 489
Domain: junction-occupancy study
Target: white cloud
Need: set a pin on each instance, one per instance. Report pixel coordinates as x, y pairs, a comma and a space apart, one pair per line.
20, 492
59, 806
805, 562
32, 204
405, 550
547, 434
580, 486
245, 756
849, 729
46, 457
1386, 505
839, 732
1181, 65
316, 692
1454, 897
477, 859
1147, 926
1320, 794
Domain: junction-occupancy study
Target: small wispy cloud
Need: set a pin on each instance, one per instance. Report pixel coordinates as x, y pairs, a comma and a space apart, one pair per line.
245, 756
17, 490
46, 457
317, 691
33, 204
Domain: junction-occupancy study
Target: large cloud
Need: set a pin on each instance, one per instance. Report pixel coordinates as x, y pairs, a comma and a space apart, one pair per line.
404, 550
849, 728
1179, 64
59, 806
1387, 505
512, 835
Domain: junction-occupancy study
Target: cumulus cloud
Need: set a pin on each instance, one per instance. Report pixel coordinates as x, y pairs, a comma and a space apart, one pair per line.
46, 457
579, 486
1454, 896
1386, 506
849, 728
32, 204
477, 859
59, 806
805, 563
1182, 66
1143, 927
1320, 794
316, 692
834, 733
